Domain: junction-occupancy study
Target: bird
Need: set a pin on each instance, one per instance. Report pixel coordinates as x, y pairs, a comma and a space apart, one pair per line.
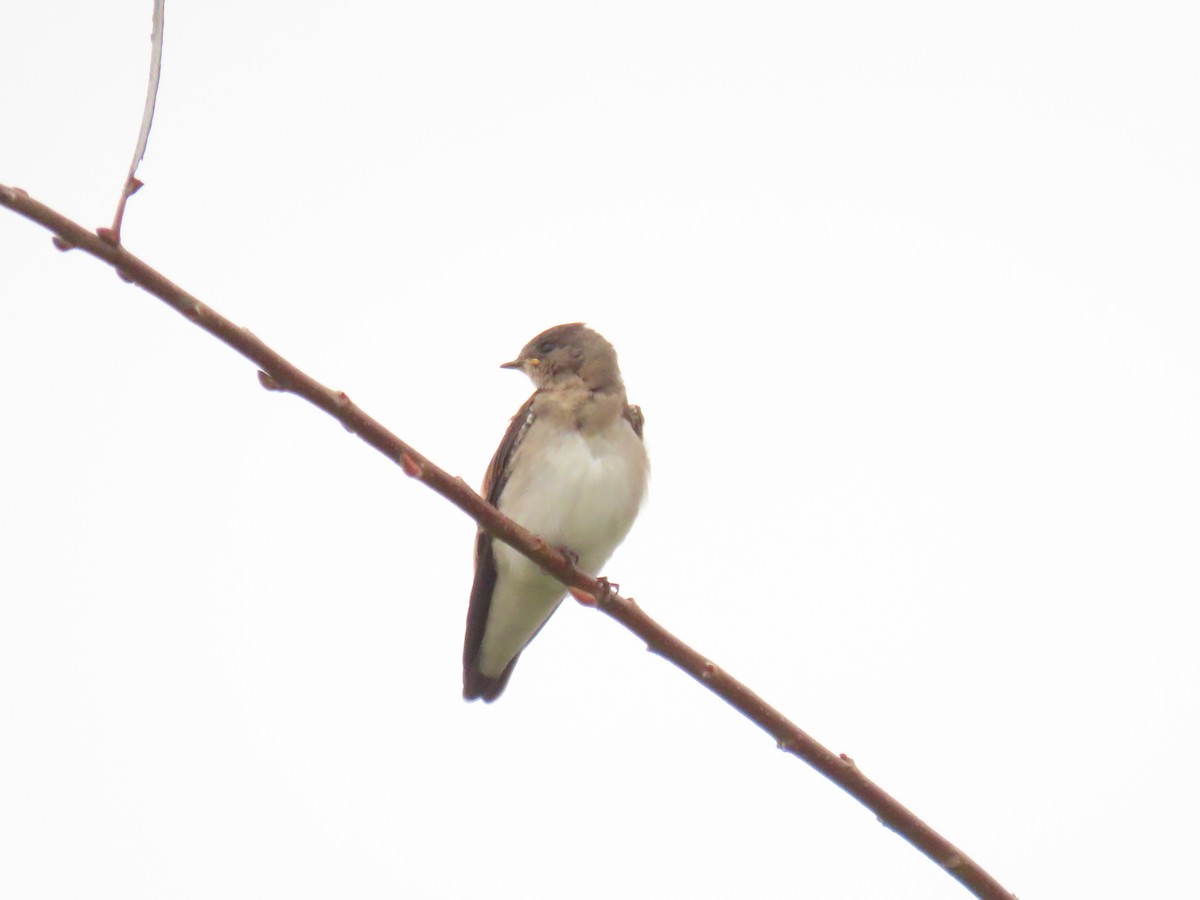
572, 468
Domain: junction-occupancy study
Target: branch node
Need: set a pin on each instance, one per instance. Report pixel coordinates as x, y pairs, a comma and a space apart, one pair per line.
847, 760
268, 382
786, 744
952, 862
709, 672
343, 402
61, 244
108, 236
583, 597
411, 467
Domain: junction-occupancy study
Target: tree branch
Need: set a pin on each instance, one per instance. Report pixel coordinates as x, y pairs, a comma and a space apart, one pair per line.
278, 374
132, 184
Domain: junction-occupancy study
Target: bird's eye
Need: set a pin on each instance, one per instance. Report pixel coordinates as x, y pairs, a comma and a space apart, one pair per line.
545, 347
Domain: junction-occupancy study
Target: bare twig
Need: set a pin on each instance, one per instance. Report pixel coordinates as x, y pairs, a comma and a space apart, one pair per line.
278, 374
131, 180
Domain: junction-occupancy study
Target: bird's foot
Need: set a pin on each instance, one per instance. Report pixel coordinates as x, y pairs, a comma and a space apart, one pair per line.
608, 590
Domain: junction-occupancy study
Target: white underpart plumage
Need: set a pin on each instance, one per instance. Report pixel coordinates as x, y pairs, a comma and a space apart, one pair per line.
583, 494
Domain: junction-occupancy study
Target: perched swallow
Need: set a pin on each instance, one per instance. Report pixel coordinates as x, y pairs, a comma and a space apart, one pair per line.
572, 469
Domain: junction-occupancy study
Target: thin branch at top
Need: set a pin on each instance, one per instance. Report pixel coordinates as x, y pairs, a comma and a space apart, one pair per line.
131, 180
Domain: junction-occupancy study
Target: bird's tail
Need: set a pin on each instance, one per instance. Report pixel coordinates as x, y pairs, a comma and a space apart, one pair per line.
477, 686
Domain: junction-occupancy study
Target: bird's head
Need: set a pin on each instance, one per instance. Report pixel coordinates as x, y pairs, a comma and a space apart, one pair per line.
564, 353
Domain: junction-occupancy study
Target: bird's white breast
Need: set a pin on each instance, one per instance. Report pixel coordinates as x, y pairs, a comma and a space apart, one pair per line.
576, 490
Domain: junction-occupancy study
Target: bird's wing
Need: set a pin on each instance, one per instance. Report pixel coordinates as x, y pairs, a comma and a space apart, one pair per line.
633, 415
475, 683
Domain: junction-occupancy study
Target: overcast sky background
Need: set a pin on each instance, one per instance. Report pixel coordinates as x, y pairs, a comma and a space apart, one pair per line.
909, 294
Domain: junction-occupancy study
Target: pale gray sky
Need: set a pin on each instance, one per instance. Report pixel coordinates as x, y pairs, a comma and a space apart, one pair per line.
909, 295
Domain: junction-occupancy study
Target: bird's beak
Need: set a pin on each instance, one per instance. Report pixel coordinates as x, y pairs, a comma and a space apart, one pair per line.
521, 364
